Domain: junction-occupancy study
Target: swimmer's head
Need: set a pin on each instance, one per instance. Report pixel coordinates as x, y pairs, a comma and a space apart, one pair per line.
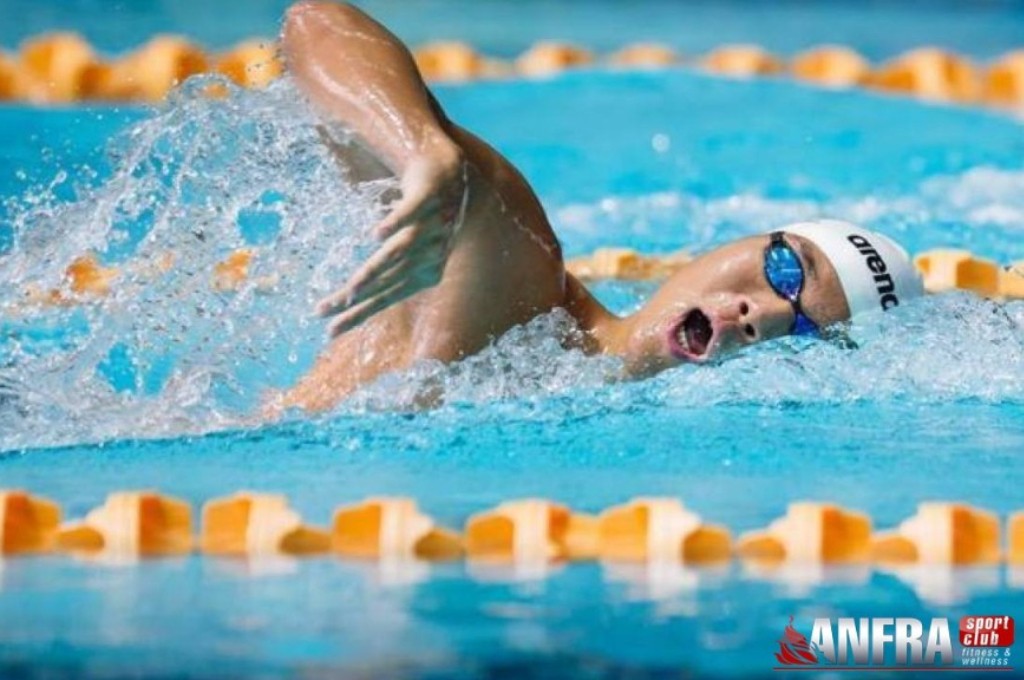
724, 300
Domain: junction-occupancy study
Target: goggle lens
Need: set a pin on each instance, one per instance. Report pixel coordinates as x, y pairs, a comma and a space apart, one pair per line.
785, 275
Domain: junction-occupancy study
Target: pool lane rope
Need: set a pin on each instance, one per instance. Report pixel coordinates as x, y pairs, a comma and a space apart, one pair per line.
63, 67
147, 524
942, 269
86, 280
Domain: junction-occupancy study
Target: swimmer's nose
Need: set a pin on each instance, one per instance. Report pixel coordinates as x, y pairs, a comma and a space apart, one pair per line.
768, 317
746, 320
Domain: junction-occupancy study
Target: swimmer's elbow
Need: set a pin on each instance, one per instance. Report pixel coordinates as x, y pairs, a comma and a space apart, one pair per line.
309, 23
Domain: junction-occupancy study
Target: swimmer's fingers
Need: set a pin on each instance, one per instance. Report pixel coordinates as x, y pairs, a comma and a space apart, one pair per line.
412, 207
434, 194
390, 253
418, 273
408, 256
356, 315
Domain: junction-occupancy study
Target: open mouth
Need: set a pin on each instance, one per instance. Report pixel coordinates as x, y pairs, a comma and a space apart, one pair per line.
691, 337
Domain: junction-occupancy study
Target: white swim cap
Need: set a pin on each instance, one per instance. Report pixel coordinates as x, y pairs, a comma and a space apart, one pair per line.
875, 272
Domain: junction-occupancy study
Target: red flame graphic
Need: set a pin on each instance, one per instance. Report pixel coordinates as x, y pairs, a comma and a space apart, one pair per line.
794, 650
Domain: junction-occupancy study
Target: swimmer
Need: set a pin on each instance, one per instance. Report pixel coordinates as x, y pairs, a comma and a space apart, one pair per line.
467, 252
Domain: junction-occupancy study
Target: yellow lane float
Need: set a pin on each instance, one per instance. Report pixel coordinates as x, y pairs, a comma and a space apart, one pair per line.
252, 524
253, 63
831, 66
132, 523
743, 61
644, 55
810, 532
28, 524
548, 58
391, 529
53, 66
929, 73
943, 533
660, 530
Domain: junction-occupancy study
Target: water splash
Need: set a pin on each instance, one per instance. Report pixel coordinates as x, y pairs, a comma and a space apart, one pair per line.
167, 353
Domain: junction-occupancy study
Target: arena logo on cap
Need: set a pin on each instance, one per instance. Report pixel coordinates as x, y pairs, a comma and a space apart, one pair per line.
883, 280
898, 643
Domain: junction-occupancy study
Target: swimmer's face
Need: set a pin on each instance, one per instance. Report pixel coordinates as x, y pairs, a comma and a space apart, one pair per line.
721, 302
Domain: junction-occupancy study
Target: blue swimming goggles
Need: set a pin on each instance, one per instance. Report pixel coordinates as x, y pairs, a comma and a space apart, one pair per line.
785, 274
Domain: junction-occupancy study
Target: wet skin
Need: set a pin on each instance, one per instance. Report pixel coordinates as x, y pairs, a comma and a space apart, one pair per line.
728, 288
468, 252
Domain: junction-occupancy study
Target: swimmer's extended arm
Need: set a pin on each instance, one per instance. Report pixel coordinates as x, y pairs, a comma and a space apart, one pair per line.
356, 72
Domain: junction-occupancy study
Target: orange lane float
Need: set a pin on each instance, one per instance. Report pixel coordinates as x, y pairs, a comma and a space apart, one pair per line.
391, 529
251, 524
231, 273
644, 55
528, 531
831, 66
929, 73
548, 58
109, 82
160, 65
83, 279
132, 523
742, 61
53, 66
943, 533
1015, 538
10, 79
660, 530
810, 532
147, 74
85, 276
253, 63
625, 263
949, 269
28, 524
531, 530
62, 67
1004, 80
448, 61
1011, 281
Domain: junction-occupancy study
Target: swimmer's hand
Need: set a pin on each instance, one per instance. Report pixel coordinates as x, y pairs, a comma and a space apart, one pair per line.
418, 235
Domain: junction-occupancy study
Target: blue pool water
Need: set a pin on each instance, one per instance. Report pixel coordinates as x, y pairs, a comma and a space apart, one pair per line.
930, 407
